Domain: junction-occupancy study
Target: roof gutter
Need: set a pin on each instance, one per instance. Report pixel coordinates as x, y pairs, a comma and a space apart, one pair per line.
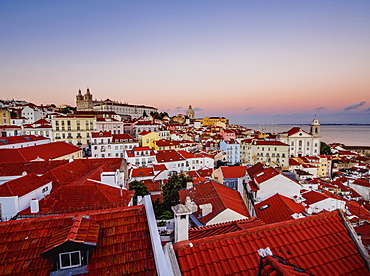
160, 260
357, 240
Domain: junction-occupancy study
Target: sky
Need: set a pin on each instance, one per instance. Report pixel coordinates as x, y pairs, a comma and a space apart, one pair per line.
249, 61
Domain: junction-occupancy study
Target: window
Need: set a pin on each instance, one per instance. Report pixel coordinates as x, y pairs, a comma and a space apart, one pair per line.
70, 259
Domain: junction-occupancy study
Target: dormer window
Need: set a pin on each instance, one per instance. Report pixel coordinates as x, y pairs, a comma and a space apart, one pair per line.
71, 245
70, 259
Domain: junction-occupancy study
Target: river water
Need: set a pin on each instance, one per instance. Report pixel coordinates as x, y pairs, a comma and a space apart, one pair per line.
350, 135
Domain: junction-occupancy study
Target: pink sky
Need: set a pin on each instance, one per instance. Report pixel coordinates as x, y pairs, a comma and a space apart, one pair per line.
252, 62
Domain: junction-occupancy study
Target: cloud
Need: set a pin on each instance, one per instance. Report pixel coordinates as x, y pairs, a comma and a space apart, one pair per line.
198, 109
179, 109
321, 108
354, 106
248, 108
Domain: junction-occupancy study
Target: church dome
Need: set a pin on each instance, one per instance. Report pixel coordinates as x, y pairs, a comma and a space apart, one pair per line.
190, 112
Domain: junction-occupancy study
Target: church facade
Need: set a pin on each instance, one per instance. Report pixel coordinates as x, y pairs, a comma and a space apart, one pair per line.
302, 143
86, 103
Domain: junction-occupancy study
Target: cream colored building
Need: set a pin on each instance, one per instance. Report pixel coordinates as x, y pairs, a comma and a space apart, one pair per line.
75, 130
271, 153
4, 117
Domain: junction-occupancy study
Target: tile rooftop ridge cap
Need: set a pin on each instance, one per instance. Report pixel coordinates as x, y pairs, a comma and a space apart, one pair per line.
266, 227
74, 228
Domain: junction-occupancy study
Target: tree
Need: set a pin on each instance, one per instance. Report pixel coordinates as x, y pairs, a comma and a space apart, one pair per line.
139, 188
170, 191
325, 149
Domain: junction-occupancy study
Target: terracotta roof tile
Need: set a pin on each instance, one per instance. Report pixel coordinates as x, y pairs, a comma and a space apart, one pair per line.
223, 228
265, 175
318, 244
46, 151
86, 196
312, 197
22, 185
233, 172
141, 172
164, 156
220, 196
37, 167
277, 208
123, 245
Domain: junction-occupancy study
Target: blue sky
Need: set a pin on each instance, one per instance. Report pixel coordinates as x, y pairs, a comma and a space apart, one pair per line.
253, 62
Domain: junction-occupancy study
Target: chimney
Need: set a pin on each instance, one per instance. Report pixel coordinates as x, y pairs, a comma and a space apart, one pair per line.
181, 222
191, 205
189, 185
34, 205
206, 209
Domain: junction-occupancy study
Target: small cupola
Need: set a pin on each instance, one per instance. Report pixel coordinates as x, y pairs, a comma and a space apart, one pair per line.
70, 247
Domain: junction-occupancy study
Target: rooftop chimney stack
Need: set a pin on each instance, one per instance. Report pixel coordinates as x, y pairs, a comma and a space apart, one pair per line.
34, 205
181, 222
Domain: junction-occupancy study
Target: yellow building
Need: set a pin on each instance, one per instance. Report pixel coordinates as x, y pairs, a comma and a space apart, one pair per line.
166, 145
73, 129
214, 120
148, 138
4, 117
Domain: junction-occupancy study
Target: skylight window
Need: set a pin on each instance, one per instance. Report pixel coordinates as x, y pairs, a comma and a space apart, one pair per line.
264, 207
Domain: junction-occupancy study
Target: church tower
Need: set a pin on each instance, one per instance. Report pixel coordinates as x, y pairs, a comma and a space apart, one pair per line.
84, 102
315, 128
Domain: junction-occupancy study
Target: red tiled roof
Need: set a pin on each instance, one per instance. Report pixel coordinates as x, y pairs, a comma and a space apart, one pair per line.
123, 245
48, 151
295, 130
220, 196
199, 180
160, 167
83, 231
257, 168
41, 122
165, 143
293, 162
321, 245
80, 170
21, 139
140, 172
86, 196
265, 175
22, 185
168, 156
223, 228
186, 154
277, 208
270, 143
141, 148
38, 167
357, 210
152, 186
102, 134
362, 182
312, 197
200, 173
233, 172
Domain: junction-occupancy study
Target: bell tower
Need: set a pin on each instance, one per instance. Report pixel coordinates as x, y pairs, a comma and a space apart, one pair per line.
84, 102
315, 128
